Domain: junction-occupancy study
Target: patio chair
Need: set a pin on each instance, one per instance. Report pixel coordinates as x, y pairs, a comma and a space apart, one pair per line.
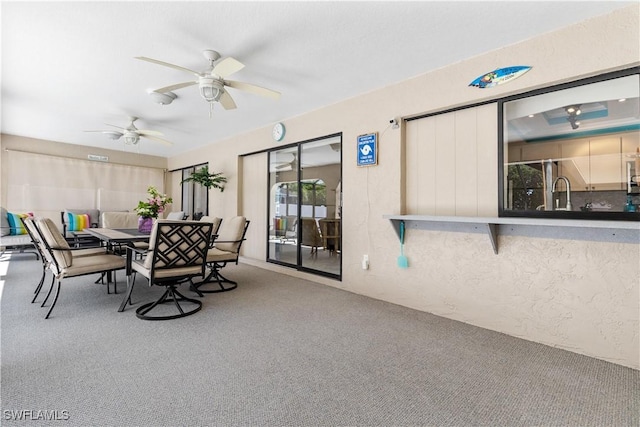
180, 215
34, 235
213, 220
177, 253
63, 264
226, 250
310, 235
217, 222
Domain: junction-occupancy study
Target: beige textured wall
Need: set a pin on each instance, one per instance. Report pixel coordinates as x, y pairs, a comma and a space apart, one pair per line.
582, 296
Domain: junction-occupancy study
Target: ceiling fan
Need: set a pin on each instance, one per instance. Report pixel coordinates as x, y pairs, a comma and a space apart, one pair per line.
288, 164
132, 134
212, 82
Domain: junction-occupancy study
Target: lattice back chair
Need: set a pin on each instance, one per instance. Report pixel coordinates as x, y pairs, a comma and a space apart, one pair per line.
227, 249
63, 263
177, 253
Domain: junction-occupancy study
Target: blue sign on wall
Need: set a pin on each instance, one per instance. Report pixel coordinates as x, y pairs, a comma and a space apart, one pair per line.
368, 149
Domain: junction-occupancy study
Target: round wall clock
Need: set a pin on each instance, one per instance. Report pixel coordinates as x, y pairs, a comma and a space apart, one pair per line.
278, 131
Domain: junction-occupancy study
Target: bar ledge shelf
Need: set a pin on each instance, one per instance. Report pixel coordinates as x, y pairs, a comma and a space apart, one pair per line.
628, 231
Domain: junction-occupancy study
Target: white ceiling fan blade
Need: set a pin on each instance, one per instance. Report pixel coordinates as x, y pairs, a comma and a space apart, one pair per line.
226, 67
285, 167
226, 101
175, 87
166, 64
112, 134
284, 158
247, 87
145, 132
119, 127
157, 139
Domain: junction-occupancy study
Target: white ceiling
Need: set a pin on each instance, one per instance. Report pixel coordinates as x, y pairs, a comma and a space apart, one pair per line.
68, 67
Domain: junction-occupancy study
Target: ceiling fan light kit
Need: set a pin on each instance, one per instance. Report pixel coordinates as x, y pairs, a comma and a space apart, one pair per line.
131, 138
210, 89
163, 98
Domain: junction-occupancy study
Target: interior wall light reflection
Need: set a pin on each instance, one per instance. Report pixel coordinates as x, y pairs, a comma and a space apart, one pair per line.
573, 111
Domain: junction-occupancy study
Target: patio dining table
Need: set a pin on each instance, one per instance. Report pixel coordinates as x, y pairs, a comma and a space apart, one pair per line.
120, 237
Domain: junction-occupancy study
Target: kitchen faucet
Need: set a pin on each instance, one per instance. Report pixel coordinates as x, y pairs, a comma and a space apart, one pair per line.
553, 190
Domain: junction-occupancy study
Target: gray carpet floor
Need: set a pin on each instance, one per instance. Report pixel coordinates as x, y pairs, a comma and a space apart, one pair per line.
280, 351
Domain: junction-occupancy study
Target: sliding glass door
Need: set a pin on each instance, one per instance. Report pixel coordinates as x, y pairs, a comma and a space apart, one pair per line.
195, 197
305, 206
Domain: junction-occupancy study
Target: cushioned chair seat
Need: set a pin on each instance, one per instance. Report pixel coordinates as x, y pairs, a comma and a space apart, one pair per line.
87, 264
19, 240
139, 267
215, 254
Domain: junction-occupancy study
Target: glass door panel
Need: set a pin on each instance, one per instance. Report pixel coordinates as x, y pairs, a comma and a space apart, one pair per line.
320, 177
283, 206
195, 197
305, 206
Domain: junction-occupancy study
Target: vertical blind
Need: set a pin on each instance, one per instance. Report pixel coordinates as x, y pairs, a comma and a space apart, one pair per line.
253, 204
47, 185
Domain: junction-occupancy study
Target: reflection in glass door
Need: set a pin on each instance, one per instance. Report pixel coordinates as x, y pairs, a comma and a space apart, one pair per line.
283, 206
305, 206
195, 197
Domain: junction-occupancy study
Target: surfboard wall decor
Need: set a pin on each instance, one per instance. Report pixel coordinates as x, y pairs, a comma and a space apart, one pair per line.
499, 76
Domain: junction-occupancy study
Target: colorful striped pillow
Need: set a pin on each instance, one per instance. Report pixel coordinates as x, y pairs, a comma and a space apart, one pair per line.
15, 223
77, 222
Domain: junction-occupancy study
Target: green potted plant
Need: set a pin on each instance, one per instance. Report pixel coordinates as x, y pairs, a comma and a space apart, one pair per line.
206, 179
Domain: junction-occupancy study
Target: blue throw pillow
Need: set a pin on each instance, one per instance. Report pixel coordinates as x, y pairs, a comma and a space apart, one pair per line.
15, 223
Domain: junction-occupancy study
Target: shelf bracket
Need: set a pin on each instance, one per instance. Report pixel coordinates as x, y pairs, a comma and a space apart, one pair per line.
492, 230
396, 227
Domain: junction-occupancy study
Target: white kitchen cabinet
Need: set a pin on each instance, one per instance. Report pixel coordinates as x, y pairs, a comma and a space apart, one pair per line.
593, 164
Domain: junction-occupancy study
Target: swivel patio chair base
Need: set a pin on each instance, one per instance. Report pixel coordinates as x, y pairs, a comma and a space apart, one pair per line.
170, 295
215, 277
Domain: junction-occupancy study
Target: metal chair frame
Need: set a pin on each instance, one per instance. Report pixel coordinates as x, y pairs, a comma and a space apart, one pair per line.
216, 266
58, 270
168, 251
31, 227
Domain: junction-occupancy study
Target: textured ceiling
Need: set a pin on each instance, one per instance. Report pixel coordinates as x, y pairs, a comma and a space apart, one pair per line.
68, 67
